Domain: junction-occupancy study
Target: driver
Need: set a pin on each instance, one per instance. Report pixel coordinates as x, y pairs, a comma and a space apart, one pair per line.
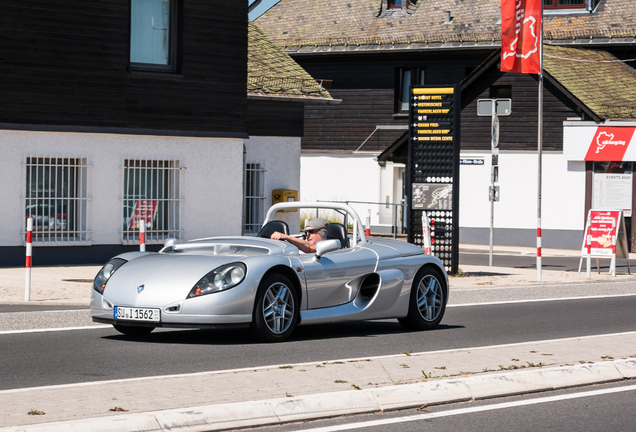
315, 231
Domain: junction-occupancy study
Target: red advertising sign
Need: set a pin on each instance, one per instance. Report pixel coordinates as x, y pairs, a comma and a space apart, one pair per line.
521, 36
144, 210
607, 231
609, 143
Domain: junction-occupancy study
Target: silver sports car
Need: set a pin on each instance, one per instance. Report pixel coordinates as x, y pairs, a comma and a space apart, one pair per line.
270, 285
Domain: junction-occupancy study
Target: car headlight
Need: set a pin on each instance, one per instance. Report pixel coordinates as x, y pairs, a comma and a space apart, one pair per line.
219, 279
106, 272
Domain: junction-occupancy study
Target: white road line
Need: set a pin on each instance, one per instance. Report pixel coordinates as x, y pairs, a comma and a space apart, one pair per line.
461, 411
314, 363
40, 330
541, 300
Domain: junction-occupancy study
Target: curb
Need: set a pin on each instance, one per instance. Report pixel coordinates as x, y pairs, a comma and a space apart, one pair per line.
313, 407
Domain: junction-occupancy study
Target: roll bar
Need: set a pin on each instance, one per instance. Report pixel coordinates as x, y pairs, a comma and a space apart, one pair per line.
358, 228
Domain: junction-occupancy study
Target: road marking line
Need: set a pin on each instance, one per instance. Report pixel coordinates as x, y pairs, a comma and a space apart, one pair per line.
541, 300
40, 330
471, 410
320, 362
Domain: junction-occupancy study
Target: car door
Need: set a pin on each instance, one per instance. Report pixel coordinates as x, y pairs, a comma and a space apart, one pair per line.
333, 280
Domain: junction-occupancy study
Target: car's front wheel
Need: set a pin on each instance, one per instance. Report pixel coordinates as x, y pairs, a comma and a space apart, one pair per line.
275, 309
133, 331
427, 302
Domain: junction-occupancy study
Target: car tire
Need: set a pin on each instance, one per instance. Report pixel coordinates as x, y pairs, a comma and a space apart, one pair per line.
133, 331
427, 302
275, 309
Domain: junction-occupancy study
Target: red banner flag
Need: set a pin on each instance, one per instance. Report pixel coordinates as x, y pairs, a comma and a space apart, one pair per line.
521, 36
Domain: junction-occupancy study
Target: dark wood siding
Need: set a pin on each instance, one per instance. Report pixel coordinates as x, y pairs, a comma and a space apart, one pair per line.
66, 63
275, 118
519, 130
366, 84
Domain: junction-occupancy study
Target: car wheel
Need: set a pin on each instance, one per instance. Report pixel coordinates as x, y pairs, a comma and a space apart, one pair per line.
133, 331
427, 301
275, 309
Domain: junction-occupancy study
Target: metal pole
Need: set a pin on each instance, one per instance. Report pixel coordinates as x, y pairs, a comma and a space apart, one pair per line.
493, 111
540, 147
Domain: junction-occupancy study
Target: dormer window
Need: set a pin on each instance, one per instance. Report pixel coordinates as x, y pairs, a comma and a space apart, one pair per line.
395, 4
564, 4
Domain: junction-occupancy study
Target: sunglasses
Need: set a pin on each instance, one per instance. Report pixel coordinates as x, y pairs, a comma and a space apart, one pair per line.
309, 231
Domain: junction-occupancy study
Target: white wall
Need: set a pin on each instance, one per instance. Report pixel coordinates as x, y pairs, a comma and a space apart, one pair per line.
280, 156
360, 178
349, 178
563, 192
212, 187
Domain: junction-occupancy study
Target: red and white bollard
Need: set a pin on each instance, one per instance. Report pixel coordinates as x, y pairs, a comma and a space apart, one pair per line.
29, 254
589, 248
142, 236
367, 228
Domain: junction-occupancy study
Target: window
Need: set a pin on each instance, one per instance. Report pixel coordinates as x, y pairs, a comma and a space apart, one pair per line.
407, 77
152, 35
395, 4
500, 92
57, 199
563, 4
254, 197
152, 197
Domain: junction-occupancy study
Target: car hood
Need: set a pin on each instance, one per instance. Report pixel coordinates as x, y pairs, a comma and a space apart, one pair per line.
156, 280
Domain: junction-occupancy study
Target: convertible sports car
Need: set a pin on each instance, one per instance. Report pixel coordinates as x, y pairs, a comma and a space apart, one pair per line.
269, 285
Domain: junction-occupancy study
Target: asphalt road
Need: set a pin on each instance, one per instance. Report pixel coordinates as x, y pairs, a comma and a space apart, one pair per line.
61, 357
599, 408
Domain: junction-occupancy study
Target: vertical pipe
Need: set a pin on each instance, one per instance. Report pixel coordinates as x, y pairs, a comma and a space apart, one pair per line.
29, 253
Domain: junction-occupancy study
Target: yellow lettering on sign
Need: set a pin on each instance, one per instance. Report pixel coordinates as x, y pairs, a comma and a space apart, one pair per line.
436, 138
441, 90
435, 97
433, 131
425, 125
433, 111
429, 104
450, 138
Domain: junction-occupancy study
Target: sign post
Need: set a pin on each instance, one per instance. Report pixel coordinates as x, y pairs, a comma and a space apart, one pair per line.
498, 107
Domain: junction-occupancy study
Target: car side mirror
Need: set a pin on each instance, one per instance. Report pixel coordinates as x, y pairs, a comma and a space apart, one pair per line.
322, 247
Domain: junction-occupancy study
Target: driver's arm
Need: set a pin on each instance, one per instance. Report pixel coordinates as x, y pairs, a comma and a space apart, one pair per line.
302, 245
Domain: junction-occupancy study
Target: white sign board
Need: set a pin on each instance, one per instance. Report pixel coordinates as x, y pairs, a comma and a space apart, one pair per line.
613, 191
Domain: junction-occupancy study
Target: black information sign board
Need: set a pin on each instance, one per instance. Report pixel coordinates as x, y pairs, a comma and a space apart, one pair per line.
433, 169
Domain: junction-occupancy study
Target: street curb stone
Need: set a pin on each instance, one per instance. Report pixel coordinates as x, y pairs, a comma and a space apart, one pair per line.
278, 411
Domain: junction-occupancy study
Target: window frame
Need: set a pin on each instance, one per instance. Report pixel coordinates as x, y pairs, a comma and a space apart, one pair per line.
173, 45
418, 77
391, 4
556, 6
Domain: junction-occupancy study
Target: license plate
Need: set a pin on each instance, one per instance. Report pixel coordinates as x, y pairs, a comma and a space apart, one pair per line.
136, 314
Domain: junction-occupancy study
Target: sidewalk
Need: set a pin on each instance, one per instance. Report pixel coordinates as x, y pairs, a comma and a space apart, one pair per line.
276, 394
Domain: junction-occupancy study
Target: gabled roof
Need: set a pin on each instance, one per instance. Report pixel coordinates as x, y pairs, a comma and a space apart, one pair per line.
362, 25
274, 74
600, 81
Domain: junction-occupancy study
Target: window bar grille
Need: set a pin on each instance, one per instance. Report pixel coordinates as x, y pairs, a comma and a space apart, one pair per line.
56, 197
152, 195
254, 197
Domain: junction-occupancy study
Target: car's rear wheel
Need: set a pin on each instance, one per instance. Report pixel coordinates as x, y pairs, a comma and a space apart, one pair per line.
133, 331
427, 302
275, 309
